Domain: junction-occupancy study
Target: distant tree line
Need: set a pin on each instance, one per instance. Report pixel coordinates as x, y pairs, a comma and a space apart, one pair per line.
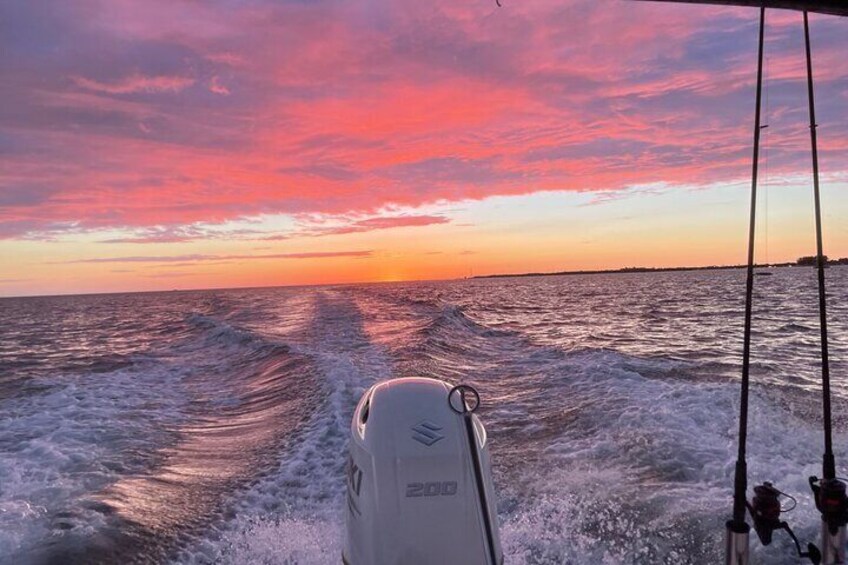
810, 261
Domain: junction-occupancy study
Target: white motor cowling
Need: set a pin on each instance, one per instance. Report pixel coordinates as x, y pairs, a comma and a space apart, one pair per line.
419, 485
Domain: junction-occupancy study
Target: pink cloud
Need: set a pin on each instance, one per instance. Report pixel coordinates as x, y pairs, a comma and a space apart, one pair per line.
136, 83
182, 234
314, 229
199, 257
348, 109
216, 86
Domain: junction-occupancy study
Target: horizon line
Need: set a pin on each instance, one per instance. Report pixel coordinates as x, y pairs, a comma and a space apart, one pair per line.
619, 270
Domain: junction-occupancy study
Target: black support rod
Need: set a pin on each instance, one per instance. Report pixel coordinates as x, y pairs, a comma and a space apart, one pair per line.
740, 484
828, 465
835, 7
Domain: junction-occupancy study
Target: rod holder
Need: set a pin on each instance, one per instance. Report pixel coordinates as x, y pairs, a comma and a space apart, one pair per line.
833, 544
736, 543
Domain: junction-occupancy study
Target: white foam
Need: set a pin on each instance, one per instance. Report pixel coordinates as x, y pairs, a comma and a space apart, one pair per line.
293, 515
75, 438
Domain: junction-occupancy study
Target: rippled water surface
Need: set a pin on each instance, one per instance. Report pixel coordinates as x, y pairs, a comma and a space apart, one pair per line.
210, 426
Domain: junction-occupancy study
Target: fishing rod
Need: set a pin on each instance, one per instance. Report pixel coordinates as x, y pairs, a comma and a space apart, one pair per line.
829, 492
766, 506
737, 530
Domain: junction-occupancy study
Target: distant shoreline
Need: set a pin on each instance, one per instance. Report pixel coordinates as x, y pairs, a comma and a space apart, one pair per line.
623, 270
643, 270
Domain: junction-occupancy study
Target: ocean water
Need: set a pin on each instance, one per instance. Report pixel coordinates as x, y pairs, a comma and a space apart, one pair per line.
211, 426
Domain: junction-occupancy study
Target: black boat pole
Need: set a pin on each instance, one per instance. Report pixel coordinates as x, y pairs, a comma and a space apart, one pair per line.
466, 409
737, 529
830, 493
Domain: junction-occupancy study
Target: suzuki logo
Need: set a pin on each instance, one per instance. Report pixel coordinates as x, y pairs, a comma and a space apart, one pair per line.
426, 432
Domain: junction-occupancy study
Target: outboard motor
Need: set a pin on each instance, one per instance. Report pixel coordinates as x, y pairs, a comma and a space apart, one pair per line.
419, 485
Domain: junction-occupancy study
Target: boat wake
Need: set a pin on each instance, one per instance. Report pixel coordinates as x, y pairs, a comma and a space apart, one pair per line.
220, 434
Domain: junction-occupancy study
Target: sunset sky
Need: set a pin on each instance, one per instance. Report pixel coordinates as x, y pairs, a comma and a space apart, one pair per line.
189, 144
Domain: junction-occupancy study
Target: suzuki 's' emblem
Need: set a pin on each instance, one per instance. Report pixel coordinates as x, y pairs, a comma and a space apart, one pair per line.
426, 432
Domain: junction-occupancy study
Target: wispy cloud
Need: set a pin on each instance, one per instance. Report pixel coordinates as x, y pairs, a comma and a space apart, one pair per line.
217, 86
184, 234
170, 275
311, 226
199, 257
375, 223
136, 83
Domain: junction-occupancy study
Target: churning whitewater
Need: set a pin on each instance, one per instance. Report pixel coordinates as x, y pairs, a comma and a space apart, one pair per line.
212, 426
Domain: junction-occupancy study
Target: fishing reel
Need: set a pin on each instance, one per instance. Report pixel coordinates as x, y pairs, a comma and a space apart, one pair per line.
766, 508
832, 502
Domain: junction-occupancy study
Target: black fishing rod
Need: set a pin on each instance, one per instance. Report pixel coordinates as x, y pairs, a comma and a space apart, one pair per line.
737, 529
829, 492
766, 506
828, 464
